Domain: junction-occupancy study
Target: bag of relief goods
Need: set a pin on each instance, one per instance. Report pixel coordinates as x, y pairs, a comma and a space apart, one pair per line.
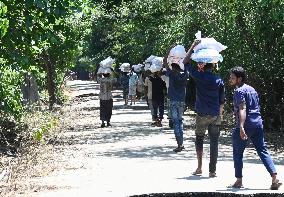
209, 43
125, 67
137, 68
178, 52
176, 55
155, 68
107, 63
148, 62
103, 70
158, 61
207, 56
149, 59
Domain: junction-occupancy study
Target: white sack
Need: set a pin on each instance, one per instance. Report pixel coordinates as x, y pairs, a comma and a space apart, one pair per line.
125, 67
176, 55
103, 70
207, 56
210, 43
137, 68
107, 63
149, 59
158, 61
155, 68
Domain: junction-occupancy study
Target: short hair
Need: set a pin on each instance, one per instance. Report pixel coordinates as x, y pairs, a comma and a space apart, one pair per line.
176, 66
239, 72
208, 66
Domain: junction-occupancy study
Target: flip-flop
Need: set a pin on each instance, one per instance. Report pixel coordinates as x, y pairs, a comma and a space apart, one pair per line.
212, 174
235, 186
197, 173
276, 185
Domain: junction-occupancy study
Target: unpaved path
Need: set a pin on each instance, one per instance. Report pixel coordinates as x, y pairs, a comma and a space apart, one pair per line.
132, 158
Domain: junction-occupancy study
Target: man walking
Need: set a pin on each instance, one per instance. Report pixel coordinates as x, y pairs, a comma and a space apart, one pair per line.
248, 126
210, 98
176, 94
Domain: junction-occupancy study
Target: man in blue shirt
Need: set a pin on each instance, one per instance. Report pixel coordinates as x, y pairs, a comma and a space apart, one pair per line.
210, 98
248, 125
176, 94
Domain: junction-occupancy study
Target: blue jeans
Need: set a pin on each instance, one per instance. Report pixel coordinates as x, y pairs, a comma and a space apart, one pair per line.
239, 145
177, 109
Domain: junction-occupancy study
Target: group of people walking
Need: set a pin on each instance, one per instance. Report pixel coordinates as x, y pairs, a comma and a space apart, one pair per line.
210, 100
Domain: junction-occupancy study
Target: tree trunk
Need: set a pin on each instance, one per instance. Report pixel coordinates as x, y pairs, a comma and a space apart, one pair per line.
50, 78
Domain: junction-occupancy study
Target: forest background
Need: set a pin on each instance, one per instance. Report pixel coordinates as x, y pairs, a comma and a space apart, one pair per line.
45, 39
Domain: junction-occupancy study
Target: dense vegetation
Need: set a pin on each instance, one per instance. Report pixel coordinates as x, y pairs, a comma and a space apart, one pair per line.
48, 37
131, 31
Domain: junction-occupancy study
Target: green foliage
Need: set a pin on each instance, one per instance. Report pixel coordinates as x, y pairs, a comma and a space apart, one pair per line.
10, 95
37, 33
131, 31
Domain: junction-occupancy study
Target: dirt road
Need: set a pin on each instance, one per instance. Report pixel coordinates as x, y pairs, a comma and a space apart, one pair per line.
131, 157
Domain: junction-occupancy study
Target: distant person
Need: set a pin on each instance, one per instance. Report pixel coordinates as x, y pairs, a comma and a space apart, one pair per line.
124, 81
148, 94
158, 97
176, 95
133, 80
106, 103
248, 126
210, 99
140, 86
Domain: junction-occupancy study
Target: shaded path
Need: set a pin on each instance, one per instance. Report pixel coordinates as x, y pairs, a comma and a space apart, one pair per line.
132, 158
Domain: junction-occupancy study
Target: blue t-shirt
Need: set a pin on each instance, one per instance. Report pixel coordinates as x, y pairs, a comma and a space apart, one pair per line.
247, 94
177, 85
210, 91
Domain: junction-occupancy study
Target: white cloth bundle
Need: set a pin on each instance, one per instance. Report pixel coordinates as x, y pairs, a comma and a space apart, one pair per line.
208, 50
103, 70
207, 56
210, 43
158, 61
176, 55
147, 66
107, 63
157, 64
155, 68
125, 67
150, 59
137, 68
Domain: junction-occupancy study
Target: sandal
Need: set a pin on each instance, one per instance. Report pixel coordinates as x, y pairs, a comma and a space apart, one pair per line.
275, 185
212, 174
236, 186
197, 173
179, 149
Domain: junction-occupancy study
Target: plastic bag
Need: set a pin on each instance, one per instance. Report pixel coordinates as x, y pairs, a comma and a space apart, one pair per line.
158, 61
155, 68
147, 66
198, 35
177, 52
207, 56
210, 43
176, 55
103, 70
149, 59
107, 63
125, 67
137, 68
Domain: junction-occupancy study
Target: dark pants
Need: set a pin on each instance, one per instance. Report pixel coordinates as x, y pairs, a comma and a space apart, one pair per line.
239, 145
106, 109
158, 106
